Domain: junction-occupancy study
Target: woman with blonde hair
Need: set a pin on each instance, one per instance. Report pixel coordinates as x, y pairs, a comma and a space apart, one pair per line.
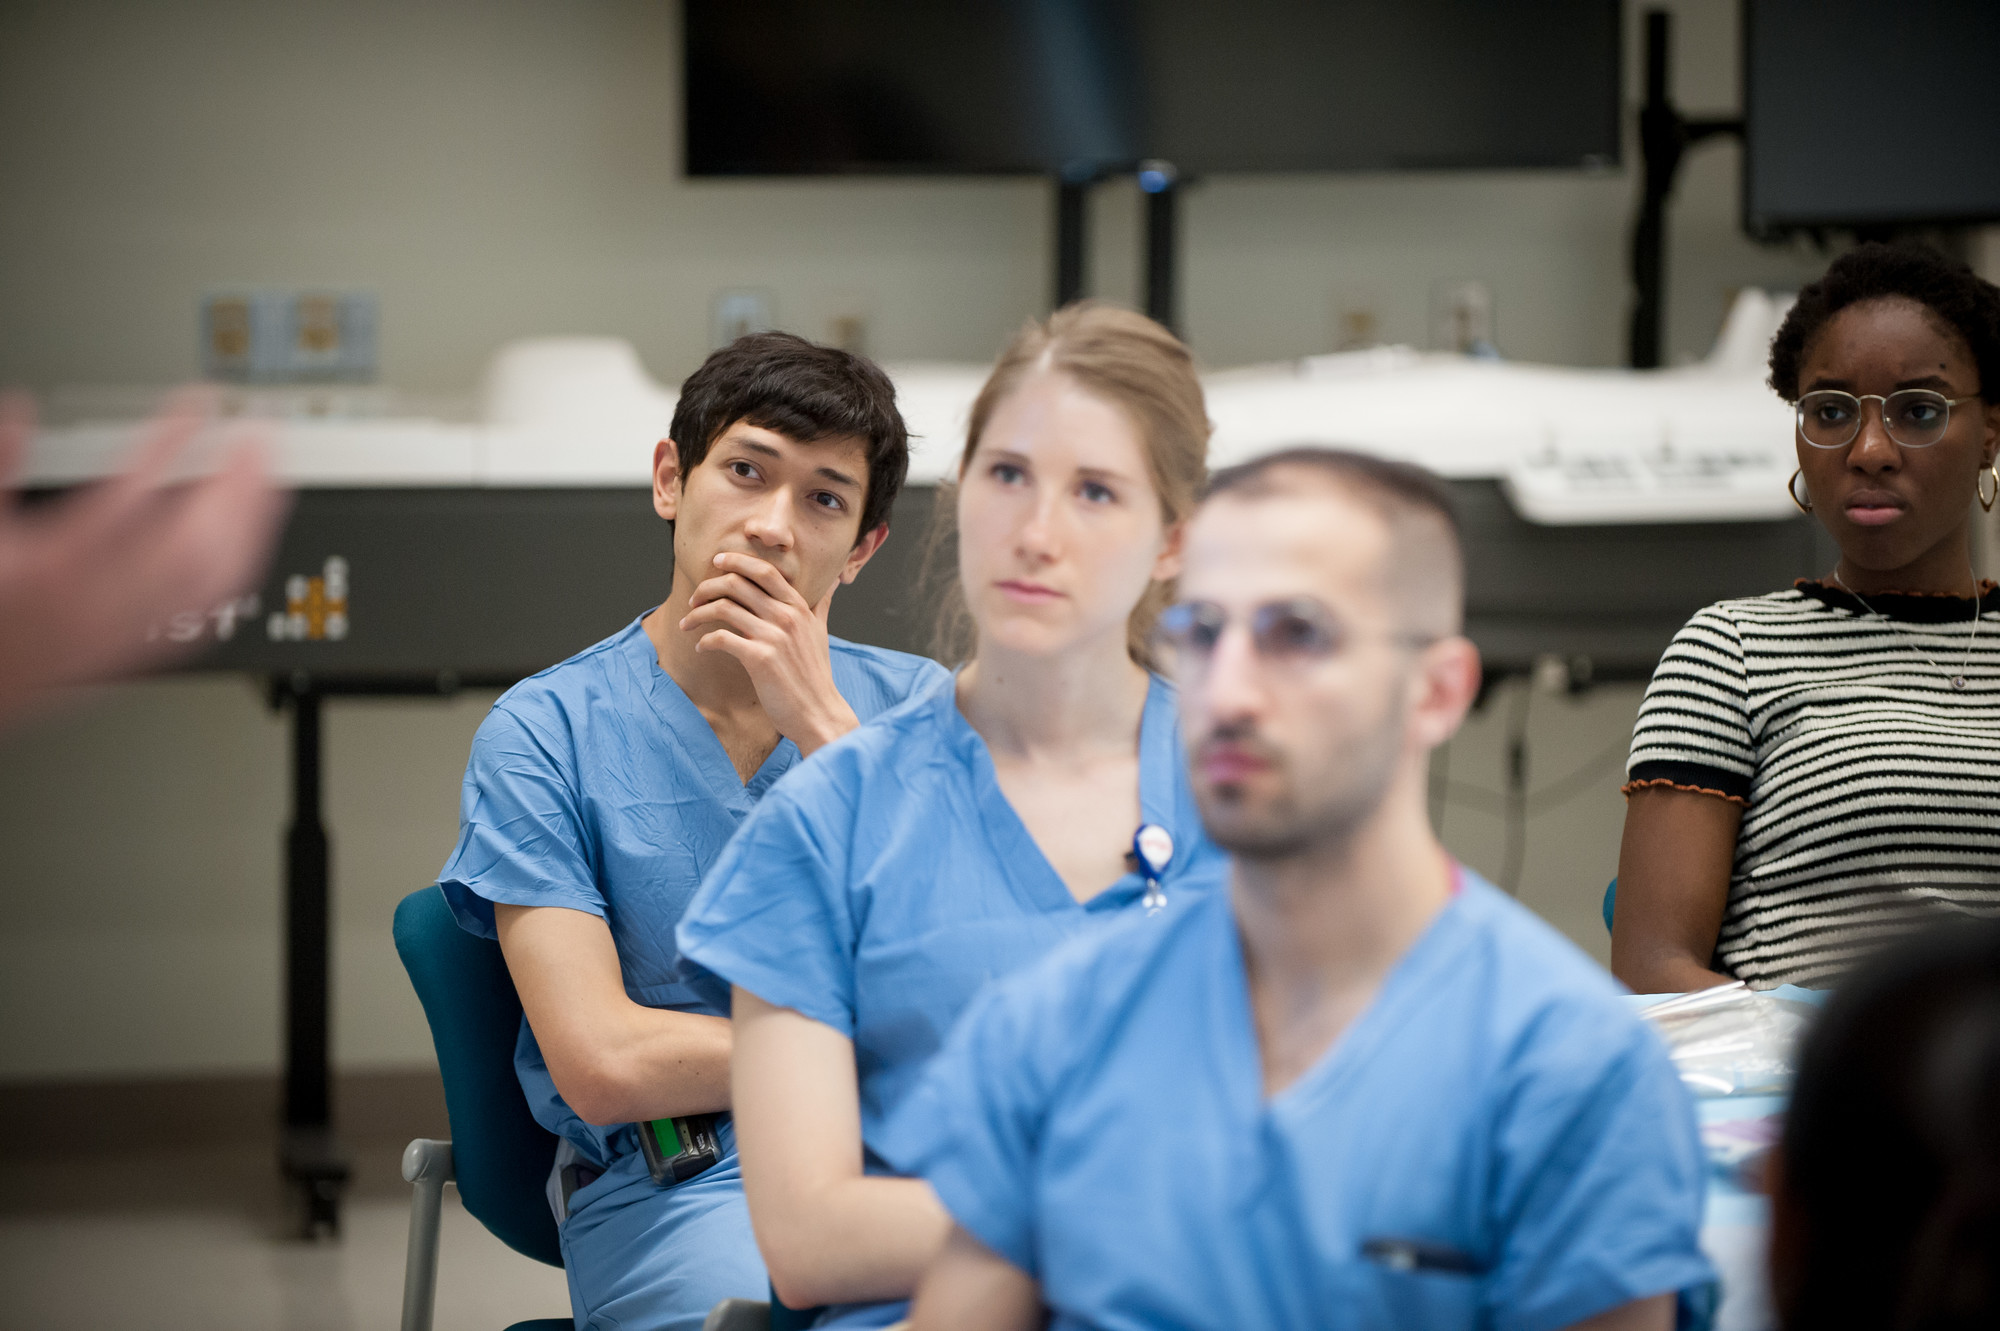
1039, 791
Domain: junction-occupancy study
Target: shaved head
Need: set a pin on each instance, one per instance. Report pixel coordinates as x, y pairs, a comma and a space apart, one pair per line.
1301, 739
1420, 565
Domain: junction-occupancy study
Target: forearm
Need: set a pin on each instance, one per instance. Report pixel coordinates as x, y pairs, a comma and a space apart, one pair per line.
971, 1288
834, 719
612, 1060
829, 1231
1674, 868
855, 1240
656, 1064
1664, 970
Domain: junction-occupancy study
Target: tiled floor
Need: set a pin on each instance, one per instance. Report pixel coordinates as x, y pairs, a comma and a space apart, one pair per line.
202, 1239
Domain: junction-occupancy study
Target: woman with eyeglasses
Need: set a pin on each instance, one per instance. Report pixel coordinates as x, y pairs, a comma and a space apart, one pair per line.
1038, 792
1816, 770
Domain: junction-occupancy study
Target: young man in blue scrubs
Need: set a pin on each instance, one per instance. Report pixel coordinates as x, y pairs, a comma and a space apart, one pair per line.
1361, 1088
600, 791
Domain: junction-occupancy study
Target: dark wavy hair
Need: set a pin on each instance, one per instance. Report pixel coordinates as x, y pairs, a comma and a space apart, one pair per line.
804, 391
1889, 1207
1960, 299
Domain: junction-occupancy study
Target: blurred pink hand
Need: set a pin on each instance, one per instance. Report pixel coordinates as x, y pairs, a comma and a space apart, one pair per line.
83, 578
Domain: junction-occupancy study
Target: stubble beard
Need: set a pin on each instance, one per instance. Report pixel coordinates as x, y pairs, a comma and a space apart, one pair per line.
1310, 816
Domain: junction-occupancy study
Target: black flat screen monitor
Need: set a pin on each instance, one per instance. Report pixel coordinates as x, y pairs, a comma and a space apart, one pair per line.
807, 87
1870, 113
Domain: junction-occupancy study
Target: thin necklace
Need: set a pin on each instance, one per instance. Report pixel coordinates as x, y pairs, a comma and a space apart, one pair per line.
1956, 681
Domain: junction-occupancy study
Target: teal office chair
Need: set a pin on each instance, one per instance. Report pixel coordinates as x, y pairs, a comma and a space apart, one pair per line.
1610, 904
498, 1155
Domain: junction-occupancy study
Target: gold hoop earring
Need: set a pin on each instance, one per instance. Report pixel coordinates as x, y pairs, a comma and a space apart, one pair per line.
1986, 501
1792, 489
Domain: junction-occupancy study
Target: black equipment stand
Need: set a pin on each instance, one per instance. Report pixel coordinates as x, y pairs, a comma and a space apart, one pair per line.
309, 1153
1161, 183
1664, 136
1073, 187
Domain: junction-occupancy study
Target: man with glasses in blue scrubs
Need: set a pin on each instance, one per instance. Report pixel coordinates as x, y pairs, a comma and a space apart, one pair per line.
1362, 1087
601, 790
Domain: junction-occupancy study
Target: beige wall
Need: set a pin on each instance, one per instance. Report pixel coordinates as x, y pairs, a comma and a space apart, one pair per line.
141, 838
504, 168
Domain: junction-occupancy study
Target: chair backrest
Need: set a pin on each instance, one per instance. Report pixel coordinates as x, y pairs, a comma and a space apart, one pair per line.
501, 1157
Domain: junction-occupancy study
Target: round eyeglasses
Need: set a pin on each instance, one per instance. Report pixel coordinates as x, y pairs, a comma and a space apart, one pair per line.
1914, 417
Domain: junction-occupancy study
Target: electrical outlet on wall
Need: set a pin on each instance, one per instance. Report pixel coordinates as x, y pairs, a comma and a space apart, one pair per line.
277, 336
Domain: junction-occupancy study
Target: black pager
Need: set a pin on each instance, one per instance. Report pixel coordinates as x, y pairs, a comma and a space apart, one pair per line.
679, 1148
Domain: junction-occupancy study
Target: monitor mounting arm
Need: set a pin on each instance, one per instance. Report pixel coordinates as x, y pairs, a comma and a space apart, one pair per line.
1664, 136
1161, 183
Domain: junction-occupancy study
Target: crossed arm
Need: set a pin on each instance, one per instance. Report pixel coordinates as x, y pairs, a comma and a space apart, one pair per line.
613, 1060
971, 1288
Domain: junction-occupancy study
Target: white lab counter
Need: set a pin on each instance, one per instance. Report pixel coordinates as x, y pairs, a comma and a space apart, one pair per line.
1704, 443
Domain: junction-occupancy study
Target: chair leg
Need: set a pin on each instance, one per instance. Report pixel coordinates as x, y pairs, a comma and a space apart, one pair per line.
738, 1315
426, 1165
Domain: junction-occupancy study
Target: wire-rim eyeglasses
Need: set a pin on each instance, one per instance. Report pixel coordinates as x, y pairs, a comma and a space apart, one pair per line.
1829, 418
1294, 631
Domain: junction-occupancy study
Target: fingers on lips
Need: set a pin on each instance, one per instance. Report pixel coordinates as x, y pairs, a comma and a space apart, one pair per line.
759, 573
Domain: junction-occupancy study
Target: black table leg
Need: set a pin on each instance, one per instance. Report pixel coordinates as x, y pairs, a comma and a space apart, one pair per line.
308, 1153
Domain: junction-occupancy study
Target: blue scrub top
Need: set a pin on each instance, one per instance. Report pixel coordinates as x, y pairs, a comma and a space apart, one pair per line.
879, 887
1100, 1122
598, 786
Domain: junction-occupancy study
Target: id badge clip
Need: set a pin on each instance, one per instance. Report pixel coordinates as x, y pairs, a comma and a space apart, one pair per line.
1153, 848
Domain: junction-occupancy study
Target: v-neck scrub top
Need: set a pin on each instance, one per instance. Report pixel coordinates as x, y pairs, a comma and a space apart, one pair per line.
881, 886
598, 786
1099, 1122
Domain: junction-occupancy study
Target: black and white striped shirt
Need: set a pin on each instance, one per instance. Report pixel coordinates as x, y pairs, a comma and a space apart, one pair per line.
1870, 786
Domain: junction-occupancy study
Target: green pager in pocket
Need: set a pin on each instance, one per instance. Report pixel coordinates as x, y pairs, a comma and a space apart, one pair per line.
679, 1148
